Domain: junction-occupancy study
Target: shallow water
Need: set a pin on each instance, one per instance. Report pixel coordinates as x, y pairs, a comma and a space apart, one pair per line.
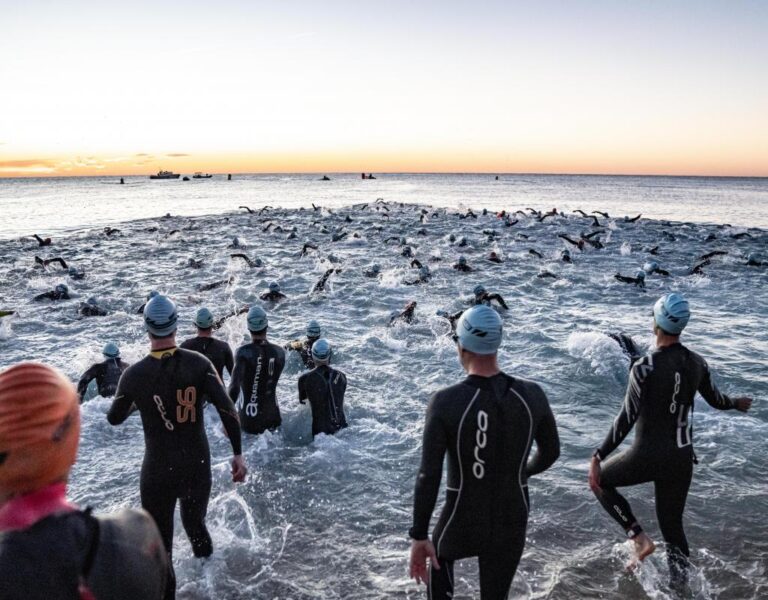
328, 518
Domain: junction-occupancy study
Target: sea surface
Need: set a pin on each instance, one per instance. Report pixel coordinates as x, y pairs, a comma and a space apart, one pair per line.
329, 518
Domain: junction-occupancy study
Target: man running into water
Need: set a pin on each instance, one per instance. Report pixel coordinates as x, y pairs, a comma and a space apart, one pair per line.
324, 387
258, 366
49, 548
304, 347
486, 424
217, 351
659, 398
167, 387
106, 373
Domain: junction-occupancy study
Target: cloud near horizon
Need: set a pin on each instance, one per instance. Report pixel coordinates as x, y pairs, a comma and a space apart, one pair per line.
177, 155
31, 165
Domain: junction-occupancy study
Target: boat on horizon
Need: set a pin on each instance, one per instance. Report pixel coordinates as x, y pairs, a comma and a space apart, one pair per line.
199, 175
165, 175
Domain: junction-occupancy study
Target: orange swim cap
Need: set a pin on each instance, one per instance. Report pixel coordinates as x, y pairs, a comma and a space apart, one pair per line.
39, 427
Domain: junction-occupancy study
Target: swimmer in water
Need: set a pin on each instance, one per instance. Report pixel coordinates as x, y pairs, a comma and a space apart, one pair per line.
60, 292
424, 276
47, 261
253, 264
535, 253
304, 347
373, 271
709, 255
407, 252
481, 296
486, 425
407, 314
320, 285
698, 269
754, 261
91, 308
167, 387
494, 258
274, 294
50, 547
660, 399
638, 280
578, 243
324, 387
250, 210
633, 219
306, 248
195, 264
206, 287
565, 256
627, 345
217, 351
462, 265
42, 242
106, 373
652, 267
258, 366
151, 295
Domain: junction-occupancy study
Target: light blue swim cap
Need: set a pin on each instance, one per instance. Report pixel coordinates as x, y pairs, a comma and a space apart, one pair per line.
640, 274
671, 313
479, 330
204, 318
61, 288
111, 350
314, 329
274, 287
424, 271
375, 268
462, 260
479, 289
160, 316
257, 319
650, 266
321, 349
152, 294
752, 257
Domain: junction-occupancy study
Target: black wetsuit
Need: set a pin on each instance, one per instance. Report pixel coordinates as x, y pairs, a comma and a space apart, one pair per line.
324, 387
487, 299
638, 281
167, 388
486, 425
627, 345
106, 374
258, 366
659, 399
304, 348
272, 296
52, 295
217, 351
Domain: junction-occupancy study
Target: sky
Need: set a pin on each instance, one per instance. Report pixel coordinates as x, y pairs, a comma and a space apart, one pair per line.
636, 87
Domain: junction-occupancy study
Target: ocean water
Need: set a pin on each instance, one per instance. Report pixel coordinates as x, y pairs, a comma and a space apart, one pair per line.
328, 518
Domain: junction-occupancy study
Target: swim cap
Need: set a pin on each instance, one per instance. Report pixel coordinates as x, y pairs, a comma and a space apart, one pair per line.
321, 349
152, 294
92, 301
752, 257
313, 329
274, 287
462, 260
640, 274
671, 312
650, 266
61, 288
160, 316
452, 237
39, 427
479, 290
257, 319
424, 271
375, 268
111, 350
565, 252
479, 330
204, 318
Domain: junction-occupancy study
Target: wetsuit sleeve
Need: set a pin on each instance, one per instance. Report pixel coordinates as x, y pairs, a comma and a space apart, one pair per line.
123, 404
430, 472
229, 360
500, 300
547, 441
234, 380
88, 376
630, 409
217, 396
302, 390
714, 397
625, 279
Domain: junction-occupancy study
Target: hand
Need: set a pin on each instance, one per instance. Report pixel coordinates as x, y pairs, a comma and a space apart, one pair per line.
742, 404
239, 470
420, 551
594, 475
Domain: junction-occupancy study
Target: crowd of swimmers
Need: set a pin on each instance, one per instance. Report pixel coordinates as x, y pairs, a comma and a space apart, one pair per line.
487, 425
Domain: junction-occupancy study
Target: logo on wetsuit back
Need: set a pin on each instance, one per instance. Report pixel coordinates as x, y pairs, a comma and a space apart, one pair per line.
481, 439
253, 404
186, 411
163, 415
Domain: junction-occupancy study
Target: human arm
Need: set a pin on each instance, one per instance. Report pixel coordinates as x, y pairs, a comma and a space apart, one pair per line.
716, 399
547, 441
217, 396
500, 300
229, 360
302, 390
123, 404
234, 381
88, 376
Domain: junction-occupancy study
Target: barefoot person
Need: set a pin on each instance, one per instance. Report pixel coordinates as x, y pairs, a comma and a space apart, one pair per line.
486, 425
659, 399
167, 387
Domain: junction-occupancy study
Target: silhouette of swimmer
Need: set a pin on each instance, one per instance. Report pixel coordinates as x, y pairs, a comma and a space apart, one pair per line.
41, 241
372, 271
195, 264
91, 308
424, 276
754, 261
325, 178
462, 265
452, 318
738, 236
60, 292
250, 210
638, 280
407, 315
251, 263
320, 285
652, 267
482, 296
151, 295
654, 251
205, 287
627, 345
109, 231
75, 273
274, 294
535, 253
306, 247
633, 219
698, 269
6, 313
711, 254
221, 320
582, 213
494, 258
546, 275
47, 261
578, 243
565, 256
602, 214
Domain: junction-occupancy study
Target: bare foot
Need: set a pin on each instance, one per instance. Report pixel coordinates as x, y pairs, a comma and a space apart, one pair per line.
644, 546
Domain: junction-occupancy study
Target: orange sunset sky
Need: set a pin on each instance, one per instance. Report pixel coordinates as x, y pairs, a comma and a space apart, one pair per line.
576, 87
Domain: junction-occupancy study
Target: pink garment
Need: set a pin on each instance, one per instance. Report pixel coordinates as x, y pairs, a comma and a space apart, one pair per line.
24, 511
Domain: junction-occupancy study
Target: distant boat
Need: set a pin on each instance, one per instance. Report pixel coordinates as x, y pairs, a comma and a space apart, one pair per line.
165, 175
199, 175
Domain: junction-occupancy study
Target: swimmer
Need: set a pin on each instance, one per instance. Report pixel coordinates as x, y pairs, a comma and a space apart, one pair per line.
60, 292
91, 308
217, 351
373, 271
602, 214
274, 294
206, 287
754, 261
494, 258
652, 267
49, 547
110, 231
424, 276
407, 314
481, 296
486, 425
660, 399
42, 242
219, 323
195, 264
75, 274
106, 373
253, 264
633, 219
627, 345
654, 250
250, 210
638, 279
151, 295
320, 285
565, 256
167, 387
582, 213
304, 347
712, 254
47, 261
578, 243
508, 222
324, 387
739, 236
407, 252
258, 366
698, 269
416, 263
535, 253
546, 275
462, 265
237, 243
462, 242
337, 237
306, 248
